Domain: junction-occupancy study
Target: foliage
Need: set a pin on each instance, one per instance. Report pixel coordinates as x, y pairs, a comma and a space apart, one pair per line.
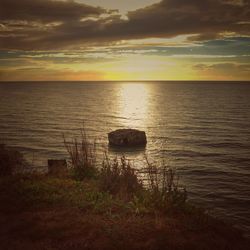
118, 178
82, 157
164, 190
44, 211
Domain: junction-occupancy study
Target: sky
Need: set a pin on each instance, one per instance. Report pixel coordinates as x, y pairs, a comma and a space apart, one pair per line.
82, 40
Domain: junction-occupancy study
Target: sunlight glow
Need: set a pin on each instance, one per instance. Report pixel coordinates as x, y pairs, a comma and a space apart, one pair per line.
133, 104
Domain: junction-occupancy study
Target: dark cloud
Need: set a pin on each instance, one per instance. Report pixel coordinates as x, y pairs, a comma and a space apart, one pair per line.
208, 17
168, 18
226, 68
45, 10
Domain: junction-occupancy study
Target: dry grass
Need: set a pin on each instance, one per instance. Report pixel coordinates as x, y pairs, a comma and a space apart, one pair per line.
113, 211
163, 186
118, 178
44, 212
82, 156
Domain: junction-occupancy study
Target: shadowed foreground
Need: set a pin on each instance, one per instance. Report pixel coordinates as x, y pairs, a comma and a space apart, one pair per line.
43, 212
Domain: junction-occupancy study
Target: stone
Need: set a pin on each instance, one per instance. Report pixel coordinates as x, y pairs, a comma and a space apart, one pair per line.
57, 167
11, 161
127, 138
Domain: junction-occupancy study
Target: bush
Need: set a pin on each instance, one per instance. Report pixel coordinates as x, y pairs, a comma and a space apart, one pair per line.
118, 178
164, 190
161, 191
82, 157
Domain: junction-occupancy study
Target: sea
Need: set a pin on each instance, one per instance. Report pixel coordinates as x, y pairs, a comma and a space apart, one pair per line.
201, 129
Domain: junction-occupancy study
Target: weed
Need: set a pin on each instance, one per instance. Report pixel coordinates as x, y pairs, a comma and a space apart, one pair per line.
164, 190
82, 157
118, 178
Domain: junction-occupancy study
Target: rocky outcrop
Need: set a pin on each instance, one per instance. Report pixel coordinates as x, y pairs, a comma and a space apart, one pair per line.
11, 161
127, 137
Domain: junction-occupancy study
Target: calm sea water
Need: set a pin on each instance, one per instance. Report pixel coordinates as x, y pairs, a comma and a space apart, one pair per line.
201, 129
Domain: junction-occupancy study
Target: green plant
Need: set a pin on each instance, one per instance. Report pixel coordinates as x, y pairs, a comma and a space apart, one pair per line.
163, 186
140, 203
82, 156
118, 178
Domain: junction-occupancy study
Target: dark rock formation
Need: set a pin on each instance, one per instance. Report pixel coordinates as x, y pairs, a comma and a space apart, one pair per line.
127, 137
57, 167
11, 161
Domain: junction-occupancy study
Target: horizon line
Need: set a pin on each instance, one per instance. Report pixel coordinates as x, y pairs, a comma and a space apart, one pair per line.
125, 80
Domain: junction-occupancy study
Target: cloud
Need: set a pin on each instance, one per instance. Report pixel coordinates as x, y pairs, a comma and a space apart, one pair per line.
171, 17
228, 49
222, 71
223, 67
60, 24
46, 10
43, 74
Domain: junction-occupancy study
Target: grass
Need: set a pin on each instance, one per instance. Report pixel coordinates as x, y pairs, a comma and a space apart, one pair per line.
106, 207
82, 156
117, 177
164, 190
36, 191
45, 212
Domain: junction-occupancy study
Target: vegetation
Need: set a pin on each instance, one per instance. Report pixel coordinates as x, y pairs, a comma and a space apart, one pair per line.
82, 156
45, 212
164, 190
118, 178
105, 208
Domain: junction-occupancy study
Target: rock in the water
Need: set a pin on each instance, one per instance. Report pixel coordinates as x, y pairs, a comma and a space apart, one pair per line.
127, 137
57, 167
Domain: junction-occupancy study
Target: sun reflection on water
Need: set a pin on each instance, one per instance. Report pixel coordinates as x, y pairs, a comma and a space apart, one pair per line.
134, 100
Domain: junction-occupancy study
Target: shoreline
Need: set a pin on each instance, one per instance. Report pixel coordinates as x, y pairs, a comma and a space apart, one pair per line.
46, 212
56, 211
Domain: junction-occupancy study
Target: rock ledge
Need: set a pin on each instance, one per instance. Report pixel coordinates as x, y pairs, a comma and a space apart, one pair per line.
127, 137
